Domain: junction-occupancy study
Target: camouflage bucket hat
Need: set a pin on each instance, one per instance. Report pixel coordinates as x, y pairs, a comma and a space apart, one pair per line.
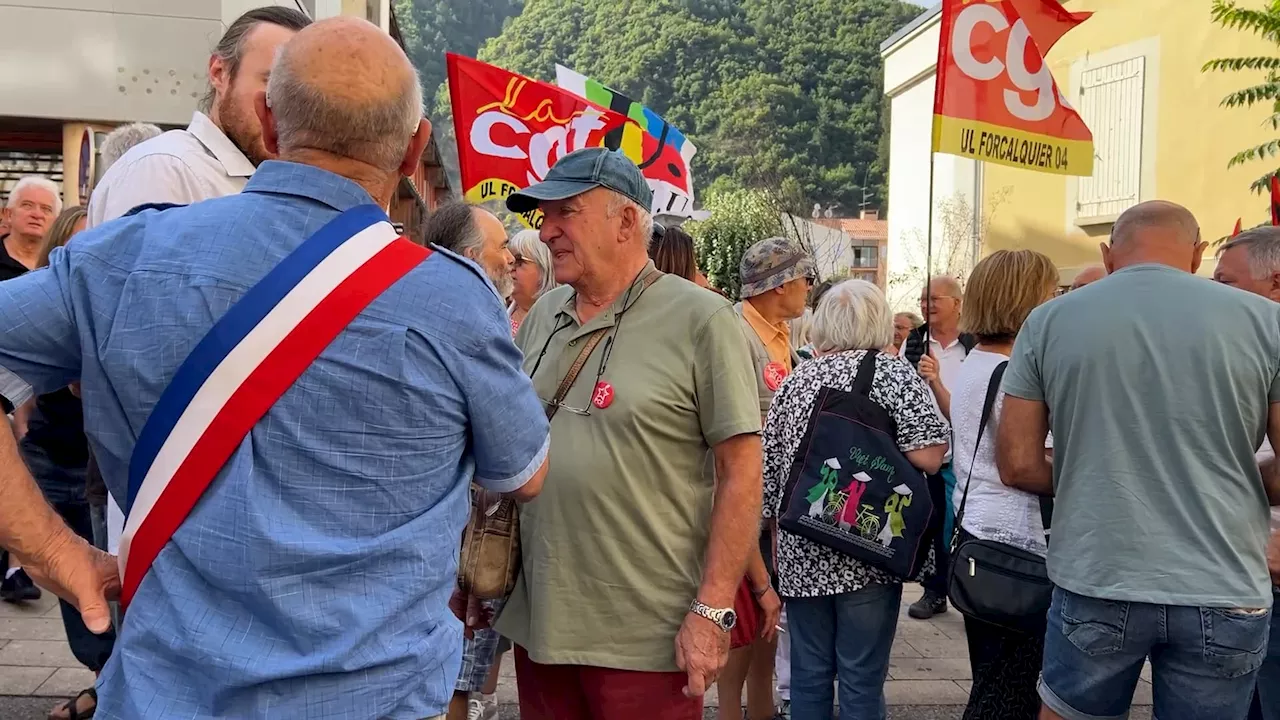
771, 264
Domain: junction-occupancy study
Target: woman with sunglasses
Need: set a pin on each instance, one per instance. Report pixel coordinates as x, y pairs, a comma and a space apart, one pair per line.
533, 275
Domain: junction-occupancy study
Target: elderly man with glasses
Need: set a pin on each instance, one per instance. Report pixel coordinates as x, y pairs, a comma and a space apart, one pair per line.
633, 556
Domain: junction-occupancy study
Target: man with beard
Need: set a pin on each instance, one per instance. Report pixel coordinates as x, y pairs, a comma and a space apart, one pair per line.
219, 150
477, 235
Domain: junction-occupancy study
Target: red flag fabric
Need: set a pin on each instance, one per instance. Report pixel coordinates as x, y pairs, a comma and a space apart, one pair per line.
1047, 21
996, 99
1275, 200
1239, 227
511, 129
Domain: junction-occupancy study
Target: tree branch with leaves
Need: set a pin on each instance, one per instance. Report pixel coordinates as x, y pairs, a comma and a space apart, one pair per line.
1264, 23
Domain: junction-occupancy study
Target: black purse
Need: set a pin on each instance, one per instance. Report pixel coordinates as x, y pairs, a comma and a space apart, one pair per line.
992, 581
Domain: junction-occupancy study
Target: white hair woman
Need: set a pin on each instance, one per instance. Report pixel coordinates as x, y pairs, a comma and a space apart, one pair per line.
842, 614
534, 274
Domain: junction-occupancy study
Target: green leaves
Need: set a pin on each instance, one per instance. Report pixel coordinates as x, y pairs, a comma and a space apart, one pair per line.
769, 90
739, 219
1262, 152
1250, 96
1266, 24
1245, 63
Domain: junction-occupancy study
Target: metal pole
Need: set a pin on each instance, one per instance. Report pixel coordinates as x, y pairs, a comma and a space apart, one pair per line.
928, 258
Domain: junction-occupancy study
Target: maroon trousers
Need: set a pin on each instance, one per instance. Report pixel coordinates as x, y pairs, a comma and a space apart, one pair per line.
579, 692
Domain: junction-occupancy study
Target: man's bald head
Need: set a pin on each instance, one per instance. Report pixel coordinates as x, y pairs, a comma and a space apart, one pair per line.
1158, 232
947, 286
940, 303
343, 87
1090, 274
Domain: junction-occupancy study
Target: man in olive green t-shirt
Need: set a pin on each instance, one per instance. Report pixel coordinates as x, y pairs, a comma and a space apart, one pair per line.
632, 554
1159, 386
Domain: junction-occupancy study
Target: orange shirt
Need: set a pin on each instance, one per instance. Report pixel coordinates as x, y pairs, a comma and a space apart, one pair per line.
776, 338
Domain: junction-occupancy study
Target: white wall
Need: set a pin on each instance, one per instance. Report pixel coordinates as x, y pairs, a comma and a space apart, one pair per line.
110, 60
909, 76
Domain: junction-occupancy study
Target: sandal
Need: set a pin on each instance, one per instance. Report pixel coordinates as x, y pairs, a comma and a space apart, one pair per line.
72, 707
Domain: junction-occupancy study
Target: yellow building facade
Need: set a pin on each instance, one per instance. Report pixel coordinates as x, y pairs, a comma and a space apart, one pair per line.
1133, 73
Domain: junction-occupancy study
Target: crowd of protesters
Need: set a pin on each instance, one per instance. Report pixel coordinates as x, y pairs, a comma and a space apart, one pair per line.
1116, 437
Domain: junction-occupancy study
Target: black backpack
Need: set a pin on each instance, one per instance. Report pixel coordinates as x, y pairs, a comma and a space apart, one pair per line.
851, 488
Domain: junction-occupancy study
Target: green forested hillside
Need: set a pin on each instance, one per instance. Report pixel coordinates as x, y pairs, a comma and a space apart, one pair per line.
775, 93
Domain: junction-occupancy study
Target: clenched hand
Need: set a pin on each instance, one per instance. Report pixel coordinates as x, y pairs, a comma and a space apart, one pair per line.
702, 649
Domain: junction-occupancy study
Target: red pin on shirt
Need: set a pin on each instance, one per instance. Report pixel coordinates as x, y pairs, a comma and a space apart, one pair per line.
774, 374
603, 395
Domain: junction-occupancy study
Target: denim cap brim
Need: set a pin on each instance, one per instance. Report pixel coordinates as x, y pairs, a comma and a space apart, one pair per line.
527, 199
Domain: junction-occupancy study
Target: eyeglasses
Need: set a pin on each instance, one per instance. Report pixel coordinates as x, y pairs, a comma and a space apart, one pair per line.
627, 304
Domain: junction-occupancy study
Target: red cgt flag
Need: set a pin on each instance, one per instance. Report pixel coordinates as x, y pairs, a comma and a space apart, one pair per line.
1239, 226
511, 129
995, 98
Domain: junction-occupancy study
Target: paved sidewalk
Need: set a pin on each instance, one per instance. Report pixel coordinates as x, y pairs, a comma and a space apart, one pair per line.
929, 666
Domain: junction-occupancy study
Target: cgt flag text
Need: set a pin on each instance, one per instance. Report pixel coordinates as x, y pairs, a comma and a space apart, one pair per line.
511, 129
996, 99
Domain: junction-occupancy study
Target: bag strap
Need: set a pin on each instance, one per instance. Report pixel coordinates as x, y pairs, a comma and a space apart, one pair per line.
588, 347
988, 405
866, 373
574, 370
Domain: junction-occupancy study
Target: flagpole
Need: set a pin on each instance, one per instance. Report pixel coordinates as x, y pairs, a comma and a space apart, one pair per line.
928, 257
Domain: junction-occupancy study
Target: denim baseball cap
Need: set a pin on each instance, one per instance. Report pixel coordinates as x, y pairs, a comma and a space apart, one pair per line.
585, 170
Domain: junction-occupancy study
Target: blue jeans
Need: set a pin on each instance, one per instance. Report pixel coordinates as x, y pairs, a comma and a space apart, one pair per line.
1266, 701
1204, 661
63, 488
845, 637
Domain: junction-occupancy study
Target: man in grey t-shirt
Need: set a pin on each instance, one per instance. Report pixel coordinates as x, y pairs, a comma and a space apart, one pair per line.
1159, 386
1251, 262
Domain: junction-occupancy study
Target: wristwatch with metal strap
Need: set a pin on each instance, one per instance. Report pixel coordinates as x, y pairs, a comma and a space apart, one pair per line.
725, 619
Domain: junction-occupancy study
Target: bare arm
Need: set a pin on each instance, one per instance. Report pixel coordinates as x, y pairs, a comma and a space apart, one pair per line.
928, 460
1020, 436
735, 515
531, 489
48, 549
931, 371
1270, 473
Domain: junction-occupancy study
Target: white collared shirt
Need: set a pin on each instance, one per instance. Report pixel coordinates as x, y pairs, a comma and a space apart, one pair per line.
180, 167
950, 359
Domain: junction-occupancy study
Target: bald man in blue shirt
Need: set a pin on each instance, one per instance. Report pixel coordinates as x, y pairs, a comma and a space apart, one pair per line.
311, 578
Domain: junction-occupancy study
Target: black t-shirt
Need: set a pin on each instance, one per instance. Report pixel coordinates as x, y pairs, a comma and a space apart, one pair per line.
57, 427
9, 269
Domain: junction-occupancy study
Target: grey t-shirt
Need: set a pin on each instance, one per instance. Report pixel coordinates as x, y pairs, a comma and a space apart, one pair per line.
1157, 384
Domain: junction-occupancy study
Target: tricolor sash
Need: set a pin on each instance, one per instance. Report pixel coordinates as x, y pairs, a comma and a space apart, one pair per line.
250, 357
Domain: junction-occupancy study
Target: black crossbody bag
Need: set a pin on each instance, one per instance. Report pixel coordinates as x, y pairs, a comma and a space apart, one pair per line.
992, 581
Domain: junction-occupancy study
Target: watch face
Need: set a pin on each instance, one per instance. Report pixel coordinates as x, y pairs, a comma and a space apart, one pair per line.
730, 619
